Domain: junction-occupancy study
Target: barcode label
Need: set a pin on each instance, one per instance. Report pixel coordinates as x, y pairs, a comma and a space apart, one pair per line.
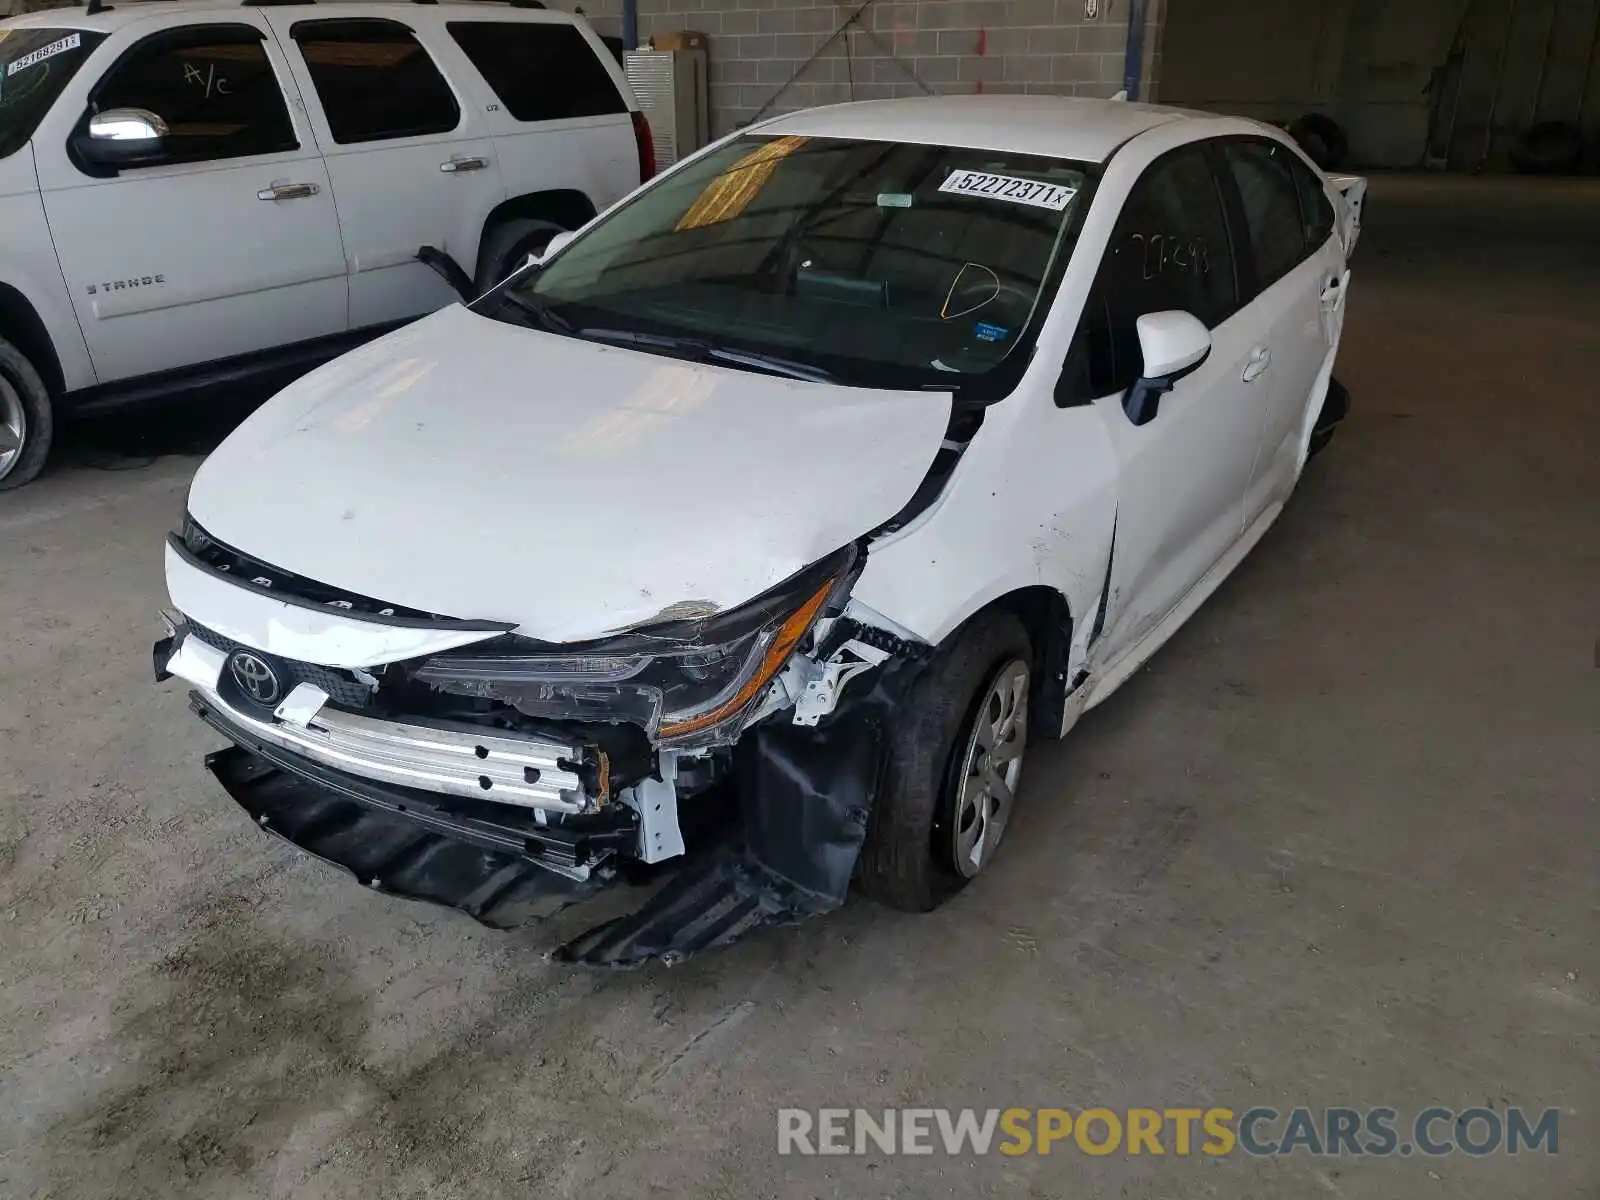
1009, 187
70, 42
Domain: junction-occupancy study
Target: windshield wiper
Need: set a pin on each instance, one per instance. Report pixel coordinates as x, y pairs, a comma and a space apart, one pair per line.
778, 366
703, 351
539, 310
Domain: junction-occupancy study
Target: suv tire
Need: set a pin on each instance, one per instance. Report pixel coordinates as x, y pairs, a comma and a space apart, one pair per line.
507, 245
916, 856
27, 422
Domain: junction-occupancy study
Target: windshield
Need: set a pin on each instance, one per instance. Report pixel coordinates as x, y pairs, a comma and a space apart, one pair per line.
35, 65
870, 264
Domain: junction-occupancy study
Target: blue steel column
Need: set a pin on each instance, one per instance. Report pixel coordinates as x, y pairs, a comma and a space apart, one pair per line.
1131, 59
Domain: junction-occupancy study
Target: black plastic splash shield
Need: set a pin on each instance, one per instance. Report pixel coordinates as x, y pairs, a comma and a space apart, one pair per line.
394, 854
711, 902
805, 793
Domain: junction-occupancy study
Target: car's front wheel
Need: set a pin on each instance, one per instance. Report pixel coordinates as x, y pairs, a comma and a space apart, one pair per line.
956, 747
508, 246
26, 424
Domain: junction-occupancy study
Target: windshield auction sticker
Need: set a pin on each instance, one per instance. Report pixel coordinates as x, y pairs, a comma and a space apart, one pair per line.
70, 42
1009, 187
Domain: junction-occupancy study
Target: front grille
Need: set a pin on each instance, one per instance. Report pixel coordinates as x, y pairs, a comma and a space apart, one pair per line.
342, 687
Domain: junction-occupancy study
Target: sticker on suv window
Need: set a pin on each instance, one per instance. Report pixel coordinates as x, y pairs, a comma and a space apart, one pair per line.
1009, 187
70, 42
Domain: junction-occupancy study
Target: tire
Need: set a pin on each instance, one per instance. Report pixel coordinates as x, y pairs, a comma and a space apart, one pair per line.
1335, 407
26, 419
1548, 148
1321, 138
910, 859
507, 245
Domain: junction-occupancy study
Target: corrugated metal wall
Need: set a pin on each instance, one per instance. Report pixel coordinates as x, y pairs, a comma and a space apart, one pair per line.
1413, 82
1511, 64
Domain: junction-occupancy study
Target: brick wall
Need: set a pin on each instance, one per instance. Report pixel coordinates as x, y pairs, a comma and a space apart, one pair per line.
760, 48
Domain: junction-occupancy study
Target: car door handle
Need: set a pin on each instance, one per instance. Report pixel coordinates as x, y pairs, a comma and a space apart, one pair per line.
456, 166
288, 191
1256, 366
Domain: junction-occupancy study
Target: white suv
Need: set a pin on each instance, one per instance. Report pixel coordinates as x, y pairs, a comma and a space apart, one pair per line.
194, 191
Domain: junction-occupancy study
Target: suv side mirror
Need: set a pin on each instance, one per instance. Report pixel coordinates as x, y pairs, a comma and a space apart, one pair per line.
121, 137
1173, 344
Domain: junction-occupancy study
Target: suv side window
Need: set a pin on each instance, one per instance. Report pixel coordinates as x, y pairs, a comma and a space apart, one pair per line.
1170, 249
214, 87
375, 80
1270, 197
1316, 214
539, 72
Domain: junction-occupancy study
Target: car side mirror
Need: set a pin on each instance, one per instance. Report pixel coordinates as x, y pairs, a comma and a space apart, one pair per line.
122, 137
553, 245
1173, 344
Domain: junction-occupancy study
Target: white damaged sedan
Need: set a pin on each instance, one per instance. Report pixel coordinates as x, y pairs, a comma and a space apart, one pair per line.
749, 536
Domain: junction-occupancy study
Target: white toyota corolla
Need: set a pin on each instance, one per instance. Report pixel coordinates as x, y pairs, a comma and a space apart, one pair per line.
757, 529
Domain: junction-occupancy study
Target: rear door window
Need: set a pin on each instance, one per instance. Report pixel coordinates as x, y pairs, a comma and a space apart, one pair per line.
375, 80
539, 72
1264, 174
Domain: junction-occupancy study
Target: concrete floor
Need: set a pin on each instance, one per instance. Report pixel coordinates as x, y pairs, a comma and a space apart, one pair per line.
1336, 845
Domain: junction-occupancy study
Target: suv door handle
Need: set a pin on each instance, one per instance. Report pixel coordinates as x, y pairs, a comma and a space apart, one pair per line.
457, 165
1256, 366
288, 191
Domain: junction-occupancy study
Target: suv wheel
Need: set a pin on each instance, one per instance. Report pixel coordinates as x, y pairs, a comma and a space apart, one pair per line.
507, 246
26, 424
955, 759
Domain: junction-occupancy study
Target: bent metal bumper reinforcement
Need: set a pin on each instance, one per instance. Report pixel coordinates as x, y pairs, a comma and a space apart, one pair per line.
466, 762
480, 766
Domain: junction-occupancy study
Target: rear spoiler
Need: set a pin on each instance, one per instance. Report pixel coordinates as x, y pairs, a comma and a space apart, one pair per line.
1354, 190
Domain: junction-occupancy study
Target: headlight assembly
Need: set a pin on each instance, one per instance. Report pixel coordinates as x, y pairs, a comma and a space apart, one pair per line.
687, 683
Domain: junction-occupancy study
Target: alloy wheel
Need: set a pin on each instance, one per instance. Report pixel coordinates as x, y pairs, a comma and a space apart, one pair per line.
991, 768
13, 427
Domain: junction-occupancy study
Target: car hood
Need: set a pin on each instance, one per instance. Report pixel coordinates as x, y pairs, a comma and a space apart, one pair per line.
482, 470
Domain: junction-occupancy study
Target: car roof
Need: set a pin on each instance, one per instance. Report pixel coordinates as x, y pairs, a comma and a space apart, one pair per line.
115, 16
1058, 126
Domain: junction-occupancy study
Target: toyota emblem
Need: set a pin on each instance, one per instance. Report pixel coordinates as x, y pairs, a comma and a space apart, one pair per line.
255, 676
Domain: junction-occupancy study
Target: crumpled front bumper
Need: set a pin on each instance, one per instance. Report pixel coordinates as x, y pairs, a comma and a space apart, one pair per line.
782, 848
394, 842
468, 763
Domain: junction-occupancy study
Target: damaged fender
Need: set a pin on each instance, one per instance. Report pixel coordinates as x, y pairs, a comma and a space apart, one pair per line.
805, 795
